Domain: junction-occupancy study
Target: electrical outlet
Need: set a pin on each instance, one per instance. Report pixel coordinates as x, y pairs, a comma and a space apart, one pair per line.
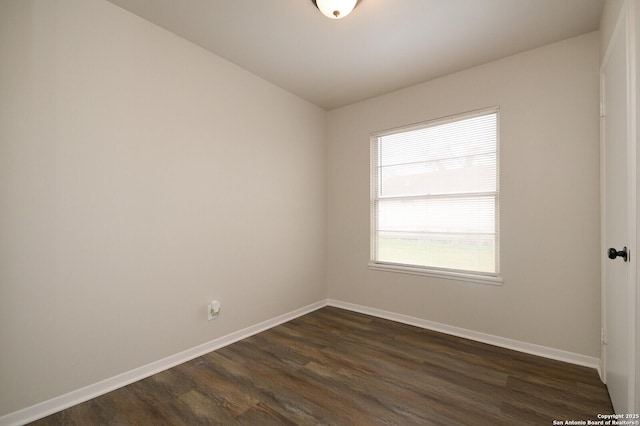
213, 310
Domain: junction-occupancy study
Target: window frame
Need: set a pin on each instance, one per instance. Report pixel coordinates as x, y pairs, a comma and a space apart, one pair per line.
493, 278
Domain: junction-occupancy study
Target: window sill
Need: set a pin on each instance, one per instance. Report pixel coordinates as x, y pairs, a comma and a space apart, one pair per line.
449, 275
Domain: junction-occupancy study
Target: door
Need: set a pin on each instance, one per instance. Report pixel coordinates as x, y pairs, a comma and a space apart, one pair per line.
618, 161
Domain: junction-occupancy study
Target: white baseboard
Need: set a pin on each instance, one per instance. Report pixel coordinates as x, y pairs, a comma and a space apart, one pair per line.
529, 348
78, 396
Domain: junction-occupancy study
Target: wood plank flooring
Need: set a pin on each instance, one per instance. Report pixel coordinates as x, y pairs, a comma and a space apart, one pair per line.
336, 367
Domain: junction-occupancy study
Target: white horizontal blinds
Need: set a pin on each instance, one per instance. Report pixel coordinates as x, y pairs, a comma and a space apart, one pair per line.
435, 195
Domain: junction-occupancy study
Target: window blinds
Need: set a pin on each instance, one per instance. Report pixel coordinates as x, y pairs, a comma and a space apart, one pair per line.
435, 195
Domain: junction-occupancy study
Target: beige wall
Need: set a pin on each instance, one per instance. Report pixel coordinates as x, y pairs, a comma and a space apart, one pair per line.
608, 21
549, 156
140, 177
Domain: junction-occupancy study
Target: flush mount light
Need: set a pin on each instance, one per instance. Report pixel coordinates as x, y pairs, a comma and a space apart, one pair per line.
335, 9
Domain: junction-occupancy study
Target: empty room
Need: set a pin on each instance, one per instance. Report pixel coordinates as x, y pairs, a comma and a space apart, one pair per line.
301, 212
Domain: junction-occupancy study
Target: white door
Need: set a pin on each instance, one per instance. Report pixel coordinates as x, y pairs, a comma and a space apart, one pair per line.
618, 224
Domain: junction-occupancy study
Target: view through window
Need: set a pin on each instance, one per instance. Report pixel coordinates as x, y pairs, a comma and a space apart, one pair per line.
435, 196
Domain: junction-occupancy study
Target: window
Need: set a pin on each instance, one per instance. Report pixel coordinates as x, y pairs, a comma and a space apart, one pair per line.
435, 198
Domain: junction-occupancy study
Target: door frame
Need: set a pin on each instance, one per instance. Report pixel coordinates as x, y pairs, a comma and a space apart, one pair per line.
627, 21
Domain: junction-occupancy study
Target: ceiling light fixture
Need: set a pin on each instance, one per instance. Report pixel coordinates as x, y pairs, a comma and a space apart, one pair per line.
335, 9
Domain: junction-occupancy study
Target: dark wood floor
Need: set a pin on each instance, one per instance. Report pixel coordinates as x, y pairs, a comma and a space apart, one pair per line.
335, 367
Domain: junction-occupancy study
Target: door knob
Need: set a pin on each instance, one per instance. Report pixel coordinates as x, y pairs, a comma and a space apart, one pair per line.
613, 253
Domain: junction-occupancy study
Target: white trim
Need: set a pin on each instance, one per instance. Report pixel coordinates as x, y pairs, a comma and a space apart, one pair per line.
603, 219
444, 274
516, 345
632, 156
78, 396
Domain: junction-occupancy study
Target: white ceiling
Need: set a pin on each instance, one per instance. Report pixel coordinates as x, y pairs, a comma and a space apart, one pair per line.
383, 45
